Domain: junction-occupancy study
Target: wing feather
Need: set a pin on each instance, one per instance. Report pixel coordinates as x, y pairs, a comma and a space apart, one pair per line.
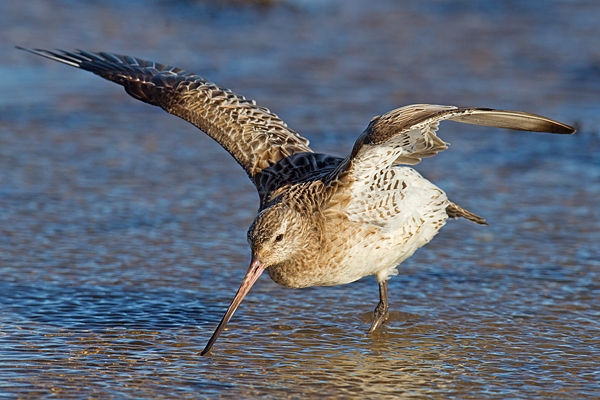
408, 134
253, 135
405, 136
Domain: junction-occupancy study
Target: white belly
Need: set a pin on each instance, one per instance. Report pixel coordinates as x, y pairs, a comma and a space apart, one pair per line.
399, 221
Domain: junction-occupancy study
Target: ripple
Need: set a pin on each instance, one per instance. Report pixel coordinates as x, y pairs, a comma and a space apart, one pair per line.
122, 230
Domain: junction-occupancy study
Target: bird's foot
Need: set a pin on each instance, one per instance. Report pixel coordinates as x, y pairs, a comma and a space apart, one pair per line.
381, 315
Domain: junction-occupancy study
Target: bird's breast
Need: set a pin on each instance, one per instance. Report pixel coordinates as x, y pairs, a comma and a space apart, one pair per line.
292, 274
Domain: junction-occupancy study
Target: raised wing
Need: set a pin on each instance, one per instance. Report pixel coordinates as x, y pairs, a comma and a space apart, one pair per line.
253, 135
408, 134
405, 136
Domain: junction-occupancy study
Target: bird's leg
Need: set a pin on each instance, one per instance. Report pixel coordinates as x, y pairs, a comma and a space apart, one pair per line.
381, 311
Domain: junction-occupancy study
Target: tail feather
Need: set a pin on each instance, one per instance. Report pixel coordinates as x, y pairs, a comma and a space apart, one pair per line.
455, 211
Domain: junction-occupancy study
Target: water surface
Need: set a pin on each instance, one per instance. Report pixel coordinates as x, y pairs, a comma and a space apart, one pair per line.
122, 229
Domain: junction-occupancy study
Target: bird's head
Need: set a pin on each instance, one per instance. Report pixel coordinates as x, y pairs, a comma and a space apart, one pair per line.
278, 234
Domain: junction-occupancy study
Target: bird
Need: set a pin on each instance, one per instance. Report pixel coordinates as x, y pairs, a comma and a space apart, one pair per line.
322, 220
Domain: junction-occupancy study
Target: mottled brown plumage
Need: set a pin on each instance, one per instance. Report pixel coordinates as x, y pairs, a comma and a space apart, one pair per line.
322, 220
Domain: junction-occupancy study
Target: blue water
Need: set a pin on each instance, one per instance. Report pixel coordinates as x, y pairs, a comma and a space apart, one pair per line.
123, 229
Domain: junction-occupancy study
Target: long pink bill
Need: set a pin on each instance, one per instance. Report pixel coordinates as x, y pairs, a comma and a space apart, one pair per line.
254, 271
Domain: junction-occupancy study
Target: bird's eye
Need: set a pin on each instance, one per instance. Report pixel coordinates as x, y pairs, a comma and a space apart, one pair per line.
279, 237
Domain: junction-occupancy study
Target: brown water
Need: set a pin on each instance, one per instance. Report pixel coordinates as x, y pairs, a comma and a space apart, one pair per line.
122, 229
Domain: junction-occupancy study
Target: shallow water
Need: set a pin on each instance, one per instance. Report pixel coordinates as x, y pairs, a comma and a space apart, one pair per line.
122, 229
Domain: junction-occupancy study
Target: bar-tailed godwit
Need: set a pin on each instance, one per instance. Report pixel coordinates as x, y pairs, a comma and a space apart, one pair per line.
323, 220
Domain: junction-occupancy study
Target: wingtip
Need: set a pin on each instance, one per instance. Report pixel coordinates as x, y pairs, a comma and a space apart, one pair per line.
37, 52
569, 130
24, 49
508, 119
553, 126
56, 55
30, 50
